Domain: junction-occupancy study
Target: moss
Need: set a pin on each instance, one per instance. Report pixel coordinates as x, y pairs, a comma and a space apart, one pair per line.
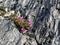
2, 12
1, 2
17, 0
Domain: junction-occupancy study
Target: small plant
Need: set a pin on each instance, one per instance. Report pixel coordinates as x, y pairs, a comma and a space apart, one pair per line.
22, 24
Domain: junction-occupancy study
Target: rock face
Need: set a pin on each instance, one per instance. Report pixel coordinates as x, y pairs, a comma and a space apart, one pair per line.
45, 15
11, 36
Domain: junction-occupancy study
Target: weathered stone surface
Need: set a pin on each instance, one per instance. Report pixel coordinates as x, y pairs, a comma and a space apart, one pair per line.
45, 15
11, 36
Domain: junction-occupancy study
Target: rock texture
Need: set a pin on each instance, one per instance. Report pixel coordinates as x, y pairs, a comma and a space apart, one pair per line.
45, 15
11, 36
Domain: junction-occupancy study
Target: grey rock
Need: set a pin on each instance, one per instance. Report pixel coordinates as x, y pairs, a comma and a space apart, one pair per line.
45, 15
11, 36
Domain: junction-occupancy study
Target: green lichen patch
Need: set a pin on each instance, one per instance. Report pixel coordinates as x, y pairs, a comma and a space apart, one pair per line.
2, 12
